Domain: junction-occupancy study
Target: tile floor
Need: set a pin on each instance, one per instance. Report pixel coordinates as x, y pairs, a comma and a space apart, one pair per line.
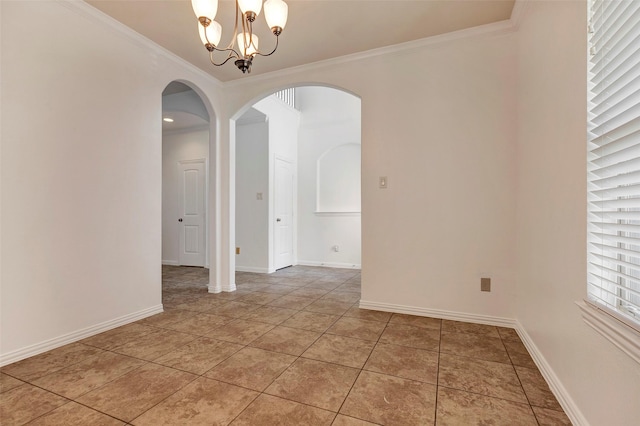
290, 348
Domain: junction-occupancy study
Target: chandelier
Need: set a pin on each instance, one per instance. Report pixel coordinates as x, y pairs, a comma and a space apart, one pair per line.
243, 46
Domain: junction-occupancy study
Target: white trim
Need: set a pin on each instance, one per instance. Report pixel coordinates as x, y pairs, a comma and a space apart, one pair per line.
495, 28
90, 12
329, 264
624, 337
518, 13
439, 313
171, 262
74, 336
567, 403
321, 213
254, 269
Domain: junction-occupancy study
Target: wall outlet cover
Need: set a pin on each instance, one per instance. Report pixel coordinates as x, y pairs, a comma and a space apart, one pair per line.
485, 284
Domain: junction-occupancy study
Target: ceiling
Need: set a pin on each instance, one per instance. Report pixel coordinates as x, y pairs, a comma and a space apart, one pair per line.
316, 30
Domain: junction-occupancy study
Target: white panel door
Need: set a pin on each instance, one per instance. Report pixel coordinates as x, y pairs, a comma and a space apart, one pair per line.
283, 228
192, 212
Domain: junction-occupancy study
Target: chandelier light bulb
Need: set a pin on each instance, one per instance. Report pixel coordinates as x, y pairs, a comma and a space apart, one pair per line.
213, 33
251, 8
244, 46
205, 8
276, 13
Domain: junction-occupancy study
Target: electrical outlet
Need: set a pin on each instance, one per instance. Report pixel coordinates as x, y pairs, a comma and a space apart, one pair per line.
383, 182
237, 250
485, 284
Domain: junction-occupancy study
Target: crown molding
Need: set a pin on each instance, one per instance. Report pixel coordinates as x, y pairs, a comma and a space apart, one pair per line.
89, 12
496, 28
518, 13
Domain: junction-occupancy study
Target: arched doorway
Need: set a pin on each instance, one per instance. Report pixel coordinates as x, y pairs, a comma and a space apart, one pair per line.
297, 131
186, 138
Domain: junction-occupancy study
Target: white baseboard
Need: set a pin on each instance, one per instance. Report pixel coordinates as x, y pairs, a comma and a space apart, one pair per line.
566, 402
171, 262
439, 313
254, 269
65, 339
329, 264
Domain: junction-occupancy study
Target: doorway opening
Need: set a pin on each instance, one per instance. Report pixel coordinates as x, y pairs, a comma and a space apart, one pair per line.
185, 188
298, 178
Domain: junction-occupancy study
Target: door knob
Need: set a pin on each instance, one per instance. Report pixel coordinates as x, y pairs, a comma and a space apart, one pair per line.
180, 220
278, 220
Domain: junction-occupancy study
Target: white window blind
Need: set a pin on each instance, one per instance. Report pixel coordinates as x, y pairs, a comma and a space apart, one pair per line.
614, 159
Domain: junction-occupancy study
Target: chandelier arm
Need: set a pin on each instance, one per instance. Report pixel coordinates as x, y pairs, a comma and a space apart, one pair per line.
272, 52
230, 56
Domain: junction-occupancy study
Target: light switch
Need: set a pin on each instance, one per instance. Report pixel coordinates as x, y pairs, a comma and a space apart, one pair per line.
259, 196
384, 182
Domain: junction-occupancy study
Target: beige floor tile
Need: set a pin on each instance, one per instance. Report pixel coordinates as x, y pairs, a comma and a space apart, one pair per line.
467, 327
415, 321
24, 403
259, 298
357, 328
315, 383
286, 340
153, 345
313, 293
202, 402
169, 316
474, 346
508, 334
342, 296
235, 309
482, 377
119, 336
73, 414
251, 368
273, 411
278, 289
415, 337
329, 307
404, 362
199, 355
292, 302
134, 393
240, 331
367, 314
7, 382
270, 315
51, 361
341, 350
518, 354
89, 374
537, 389
457, 408
311, 321
200, 324
547, 417
388, 400
342, 420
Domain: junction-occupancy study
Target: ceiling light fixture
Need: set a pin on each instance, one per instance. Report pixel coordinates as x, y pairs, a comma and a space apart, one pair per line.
167, 120
275, 11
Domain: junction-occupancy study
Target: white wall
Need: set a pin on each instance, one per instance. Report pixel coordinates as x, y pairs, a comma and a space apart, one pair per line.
176, 147
81, 174
443, 131
252, 214
603, 382
330, 122
283, 123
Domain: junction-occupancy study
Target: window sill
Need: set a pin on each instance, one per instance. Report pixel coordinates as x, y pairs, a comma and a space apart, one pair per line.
623, 336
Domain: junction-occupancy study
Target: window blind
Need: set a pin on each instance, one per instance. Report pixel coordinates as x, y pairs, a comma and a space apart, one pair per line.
614, 159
